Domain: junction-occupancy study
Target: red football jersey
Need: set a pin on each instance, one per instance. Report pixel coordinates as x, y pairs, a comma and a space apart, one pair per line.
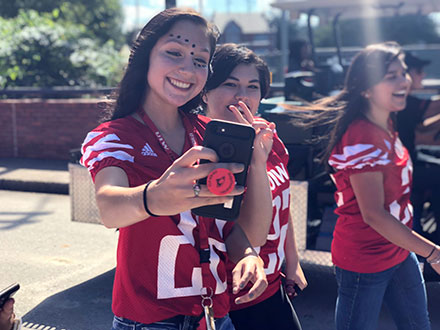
366, 147
272, 252
158, 273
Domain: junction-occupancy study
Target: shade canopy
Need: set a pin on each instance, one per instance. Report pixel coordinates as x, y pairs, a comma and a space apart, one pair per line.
358, 8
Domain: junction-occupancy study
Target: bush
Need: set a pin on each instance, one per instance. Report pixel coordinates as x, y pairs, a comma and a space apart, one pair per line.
41, 50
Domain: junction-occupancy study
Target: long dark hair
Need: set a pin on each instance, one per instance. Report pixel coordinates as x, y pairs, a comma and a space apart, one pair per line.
230, 55
367, 69
133, 86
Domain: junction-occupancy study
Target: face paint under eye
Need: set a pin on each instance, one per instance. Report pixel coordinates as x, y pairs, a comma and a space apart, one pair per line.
199, 65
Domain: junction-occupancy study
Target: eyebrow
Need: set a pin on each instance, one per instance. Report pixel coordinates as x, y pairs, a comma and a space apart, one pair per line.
250, 81
204, 50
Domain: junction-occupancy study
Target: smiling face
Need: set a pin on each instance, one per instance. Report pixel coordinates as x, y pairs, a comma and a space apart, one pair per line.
178, 65
391, 92
243, 84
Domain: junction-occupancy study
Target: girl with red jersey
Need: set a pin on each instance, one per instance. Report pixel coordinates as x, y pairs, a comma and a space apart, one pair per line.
373, 239
144, 162
239, 81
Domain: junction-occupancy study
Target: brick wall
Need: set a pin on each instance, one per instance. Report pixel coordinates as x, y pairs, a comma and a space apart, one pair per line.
45, 129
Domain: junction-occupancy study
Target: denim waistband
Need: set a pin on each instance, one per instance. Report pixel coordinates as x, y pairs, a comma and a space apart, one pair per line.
178, 319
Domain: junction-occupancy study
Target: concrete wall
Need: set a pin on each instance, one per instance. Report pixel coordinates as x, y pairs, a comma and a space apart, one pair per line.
45, 129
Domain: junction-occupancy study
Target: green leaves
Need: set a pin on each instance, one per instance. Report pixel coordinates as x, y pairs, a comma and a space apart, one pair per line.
43, 50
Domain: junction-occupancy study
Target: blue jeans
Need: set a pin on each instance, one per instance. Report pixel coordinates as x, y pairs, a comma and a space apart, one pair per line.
120, 323
402, 287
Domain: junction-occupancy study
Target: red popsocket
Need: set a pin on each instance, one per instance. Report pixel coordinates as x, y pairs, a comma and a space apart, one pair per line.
220, 181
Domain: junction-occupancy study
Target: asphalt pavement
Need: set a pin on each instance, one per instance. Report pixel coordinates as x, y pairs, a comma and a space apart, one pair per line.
66, 268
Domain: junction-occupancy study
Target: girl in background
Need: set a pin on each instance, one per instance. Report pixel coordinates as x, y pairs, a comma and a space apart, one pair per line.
373, 246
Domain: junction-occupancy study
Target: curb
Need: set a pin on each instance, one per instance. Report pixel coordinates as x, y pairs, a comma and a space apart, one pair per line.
35, 186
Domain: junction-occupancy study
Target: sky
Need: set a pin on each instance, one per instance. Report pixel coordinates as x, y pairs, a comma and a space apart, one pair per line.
148, 8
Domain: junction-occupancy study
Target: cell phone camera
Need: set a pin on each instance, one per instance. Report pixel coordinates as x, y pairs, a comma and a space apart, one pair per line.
226, 150
220, 130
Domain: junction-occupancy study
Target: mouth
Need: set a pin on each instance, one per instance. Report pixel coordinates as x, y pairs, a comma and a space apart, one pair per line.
401, 93
238, 107
179, 84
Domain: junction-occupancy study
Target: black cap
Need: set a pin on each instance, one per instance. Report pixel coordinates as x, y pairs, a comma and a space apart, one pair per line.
414, 61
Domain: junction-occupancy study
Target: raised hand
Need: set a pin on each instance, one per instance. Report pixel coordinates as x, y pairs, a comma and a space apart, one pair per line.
264, 132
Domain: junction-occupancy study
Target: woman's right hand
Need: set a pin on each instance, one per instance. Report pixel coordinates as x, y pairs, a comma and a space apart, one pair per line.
173, 192
434, 259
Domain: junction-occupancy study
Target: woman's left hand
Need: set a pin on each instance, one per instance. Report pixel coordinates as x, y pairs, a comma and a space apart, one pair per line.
294, 279
249, 269
263, 132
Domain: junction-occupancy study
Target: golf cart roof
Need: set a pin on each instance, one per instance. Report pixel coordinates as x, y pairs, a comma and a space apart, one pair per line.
357, 8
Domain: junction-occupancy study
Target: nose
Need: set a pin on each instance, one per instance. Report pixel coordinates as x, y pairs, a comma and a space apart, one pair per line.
187, 66
242, 94
407, 80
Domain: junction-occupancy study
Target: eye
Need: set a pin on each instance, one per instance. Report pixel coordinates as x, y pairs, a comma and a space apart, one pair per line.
229, 84
254, 87
173, 53
390, 76
201, 61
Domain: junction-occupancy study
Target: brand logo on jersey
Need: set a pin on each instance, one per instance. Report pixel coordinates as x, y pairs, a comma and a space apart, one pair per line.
147, 151
278, 176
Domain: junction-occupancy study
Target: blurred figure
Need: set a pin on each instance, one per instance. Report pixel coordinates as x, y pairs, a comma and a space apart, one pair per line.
7, 315
299, 81
300, 56
416, 124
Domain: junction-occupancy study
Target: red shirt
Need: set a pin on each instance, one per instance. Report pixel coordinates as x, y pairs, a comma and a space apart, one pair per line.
272, 252
158, 272
366, 147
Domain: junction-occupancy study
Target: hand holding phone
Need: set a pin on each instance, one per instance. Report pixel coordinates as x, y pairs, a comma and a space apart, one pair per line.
7, 293
233, 143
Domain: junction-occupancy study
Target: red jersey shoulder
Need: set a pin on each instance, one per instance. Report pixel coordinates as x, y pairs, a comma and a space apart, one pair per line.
363, 146
113, 142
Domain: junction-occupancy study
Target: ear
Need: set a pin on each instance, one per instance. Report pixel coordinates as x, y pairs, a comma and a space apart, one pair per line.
205, 98
366, 94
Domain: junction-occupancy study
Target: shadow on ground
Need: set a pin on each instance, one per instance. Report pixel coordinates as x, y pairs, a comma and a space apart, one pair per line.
86, 306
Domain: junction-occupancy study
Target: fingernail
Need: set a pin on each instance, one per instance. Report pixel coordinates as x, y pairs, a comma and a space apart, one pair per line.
251, 295
241, 285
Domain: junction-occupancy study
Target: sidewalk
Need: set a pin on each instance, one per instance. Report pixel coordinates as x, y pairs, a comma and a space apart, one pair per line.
35, 175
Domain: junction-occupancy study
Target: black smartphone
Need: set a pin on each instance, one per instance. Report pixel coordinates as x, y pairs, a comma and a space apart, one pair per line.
8, 292
233, 143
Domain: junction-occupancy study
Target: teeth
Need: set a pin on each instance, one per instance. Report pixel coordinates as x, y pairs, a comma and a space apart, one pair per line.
400, 93
179, 83
237, 106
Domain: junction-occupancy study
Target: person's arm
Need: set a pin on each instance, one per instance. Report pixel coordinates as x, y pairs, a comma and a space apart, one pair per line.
293, 268
369, 191
432, 114
256, 211
249, 266
120, 205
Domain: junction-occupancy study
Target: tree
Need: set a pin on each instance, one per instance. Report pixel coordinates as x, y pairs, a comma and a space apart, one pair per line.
43, 50
102, 19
